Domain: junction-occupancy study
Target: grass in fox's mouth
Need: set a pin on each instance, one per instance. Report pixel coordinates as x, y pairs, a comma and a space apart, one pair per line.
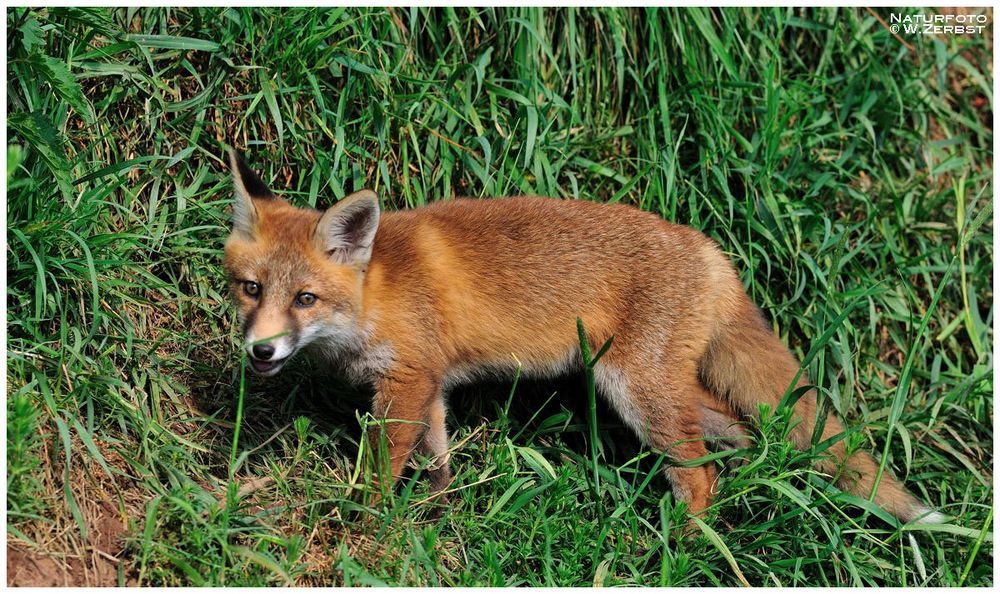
839, 168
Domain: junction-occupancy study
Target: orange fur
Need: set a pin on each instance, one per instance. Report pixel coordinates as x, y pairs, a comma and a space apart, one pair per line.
417, 301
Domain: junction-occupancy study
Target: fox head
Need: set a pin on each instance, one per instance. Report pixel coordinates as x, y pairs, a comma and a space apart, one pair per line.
296, 273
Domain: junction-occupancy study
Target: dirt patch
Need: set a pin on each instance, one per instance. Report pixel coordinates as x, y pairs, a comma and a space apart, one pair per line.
95, 565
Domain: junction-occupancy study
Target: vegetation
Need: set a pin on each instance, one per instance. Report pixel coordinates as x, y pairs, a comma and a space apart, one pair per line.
848, 174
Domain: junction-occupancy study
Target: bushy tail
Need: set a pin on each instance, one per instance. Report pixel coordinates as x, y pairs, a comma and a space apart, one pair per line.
748, 364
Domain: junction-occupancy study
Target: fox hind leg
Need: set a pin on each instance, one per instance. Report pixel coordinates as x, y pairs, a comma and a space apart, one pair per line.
665, 413
721, 425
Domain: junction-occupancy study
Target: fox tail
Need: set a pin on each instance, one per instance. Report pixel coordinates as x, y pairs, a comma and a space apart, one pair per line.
746, 363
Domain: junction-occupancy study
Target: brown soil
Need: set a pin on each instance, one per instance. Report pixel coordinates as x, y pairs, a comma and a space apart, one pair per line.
96, 565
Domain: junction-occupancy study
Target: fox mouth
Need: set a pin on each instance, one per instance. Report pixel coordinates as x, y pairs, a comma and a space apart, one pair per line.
267, 368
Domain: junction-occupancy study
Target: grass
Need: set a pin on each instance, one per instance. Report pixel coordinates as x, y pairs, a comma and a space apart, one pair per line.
849, 177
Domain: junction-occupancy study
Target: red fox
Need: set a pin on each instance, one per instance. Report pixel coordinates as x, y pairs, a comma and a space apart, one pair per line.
415, 302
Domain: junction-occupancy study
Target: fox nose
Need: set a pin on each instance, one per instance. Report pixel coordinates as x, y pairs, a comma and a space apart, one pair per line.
263, 351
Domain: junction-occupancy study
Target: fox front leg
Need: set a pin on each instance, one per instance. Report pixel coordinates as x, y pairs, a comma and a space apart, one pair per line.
435, 446
402, 405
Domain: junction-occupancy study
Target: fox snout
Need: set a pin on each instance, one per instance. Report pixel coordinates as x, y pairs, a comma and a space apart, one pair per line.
262, 351
268, 346
268, 350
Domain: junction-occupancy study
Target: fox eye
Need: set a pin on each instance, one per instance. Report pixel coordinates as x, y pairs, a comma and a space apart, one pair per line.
305, 299
251, 288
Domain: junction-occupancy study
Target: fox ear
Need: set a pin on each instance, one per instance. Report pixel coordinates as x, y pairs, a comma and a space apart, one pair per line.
248, 187
346, 231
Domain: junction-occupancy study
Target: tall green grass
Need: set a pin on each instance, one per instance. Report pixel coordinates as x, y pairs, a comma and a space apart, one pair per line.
849, 177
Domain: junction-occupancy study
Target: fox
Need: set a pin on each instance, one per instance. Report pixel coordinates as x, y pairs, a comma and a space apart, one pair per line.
415, 302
